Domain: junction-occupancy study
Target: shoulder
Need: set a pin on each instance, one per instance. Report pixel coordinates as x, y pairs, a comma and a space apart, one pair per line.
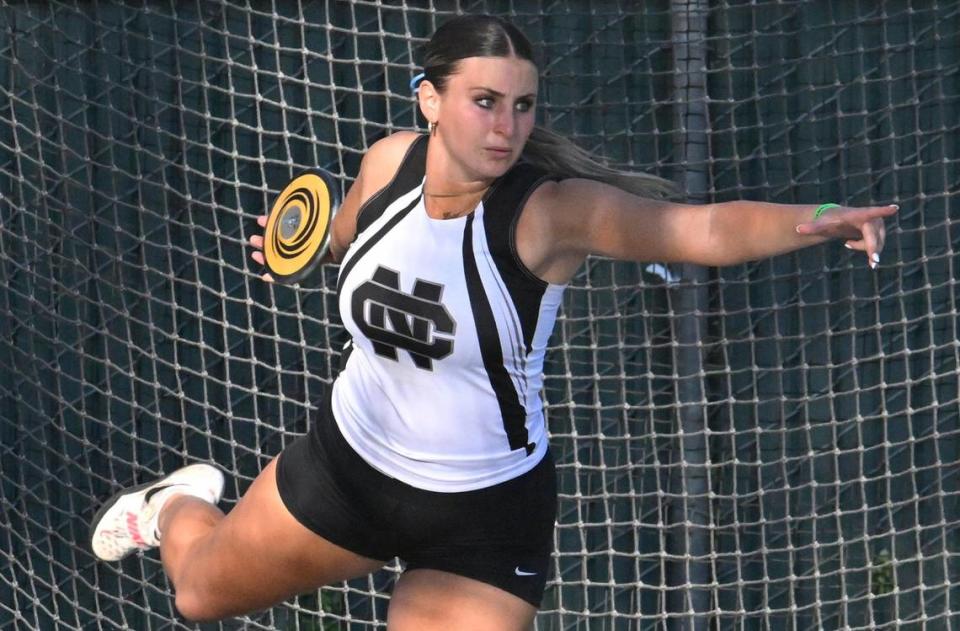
383, 158
517, 185
561, 208
389, 151
394, 146
568, 194
574, 206
550, 228
564, 221
379, 165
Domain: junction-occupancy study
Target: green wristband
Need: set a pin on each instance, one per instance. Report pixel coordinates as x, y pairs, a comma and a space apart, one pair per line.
822, 208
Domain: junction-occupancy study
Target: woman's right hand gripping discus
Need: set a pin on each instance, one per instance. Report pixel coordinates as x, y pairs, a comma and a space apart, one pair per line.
297, 230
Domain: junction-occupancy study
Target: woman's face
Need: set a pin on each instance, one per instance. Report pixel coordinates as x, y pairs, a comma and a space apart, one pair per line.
486, 113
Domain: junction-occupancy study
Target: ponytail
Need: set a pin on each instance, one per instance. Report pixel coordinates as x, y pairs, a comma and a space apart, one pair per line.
557, 154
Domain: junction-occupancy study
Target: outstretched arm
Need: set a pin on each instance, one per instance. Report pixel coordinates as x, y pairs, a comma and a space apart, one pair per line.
576, 217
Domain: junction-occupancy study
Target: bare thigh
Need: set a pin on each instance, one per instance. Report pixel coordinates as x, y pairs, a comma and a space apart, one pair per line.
252, 558
424, 600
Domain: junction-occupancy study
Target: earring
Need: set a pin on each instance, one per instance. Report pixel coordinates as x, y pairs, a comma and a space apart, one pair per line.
431, 127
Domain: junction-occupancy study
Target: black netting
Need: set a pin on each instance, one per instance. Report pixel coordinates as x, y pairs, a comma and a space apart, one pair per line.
772, 444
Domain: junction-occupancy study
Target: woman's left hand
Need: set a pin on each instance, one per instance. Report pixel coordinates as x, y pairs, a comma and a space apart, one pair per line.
863, 228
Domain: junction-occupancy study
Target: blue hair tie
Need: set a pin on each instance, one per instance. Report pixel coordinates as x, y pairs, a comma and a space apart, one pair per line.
415, 82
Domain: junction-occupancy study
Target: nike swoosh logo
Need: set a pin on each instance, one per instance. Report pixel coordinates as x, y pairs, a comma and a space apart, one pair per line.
154, 491
520, 572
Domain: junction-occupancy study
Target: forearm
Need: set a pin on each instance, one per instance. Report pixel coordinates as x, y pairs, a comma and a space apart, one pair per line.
743, 231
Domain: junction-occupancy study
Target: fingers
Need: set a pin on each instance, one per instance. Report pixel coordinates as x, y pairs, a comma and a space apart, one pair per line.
257, 256
259, 259
256, 242
855, 245
870, 245
874, 238
881, 235
868, 221
817, 227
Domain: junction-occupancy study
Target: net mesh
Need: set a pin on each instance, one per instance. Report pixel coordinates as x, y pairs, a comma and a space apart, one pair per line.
762, 445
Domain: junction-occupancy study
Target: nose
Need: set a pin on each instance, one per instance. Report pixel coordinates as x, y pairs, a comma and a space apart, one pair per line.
504, 124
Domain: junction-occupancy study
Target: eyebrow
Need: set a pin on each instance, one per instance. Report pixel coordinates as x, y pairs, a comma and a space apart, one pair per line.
501, 94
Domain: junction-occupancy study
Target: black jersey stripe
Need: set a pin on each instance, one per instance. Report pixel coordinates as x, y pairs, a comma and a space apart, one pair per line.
519, 350
512, 411
508, 197
387, 227
408, 176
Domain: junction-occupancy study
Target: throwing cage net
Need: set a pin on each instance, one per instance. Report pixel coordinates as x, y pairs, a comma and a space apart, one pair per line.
772, 445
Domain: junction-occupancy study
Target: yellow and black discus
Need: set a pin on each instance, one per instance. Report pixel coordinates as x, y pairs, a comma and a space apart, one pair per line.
298, 227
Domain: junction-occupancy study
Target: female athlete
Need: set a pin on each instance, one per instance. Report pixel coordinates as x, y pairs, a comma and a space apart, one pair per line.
454, 248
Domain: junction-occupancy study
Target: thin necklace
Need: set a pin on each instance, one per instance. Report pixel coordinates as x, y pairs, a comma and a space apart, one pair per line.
484, 190
453, 214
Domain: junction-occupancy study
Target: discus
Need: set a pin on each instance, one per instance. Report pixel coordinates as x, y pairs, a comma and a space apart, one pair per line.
297, 235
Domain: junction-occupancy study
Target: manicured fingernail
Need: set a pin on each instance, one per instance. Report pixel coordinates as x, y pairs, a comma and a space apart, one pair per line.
848, 246
875, 257
895, 206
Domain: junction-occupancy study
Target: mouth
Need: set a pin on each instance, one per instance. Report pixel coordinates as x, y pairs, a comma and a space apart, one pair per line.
499, 152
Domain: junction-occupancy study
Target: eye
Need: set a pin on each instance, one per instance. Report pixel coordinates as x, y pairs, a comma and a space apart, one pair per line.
485, 102
524, 106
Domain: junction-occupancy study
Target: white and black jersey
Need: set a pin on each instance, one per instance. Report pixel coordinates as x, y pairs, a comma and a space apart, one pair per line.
441, 389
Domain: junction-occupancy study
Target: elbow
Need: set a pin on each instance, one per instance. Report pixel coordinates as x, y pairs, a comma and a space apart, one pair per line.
194, 610
199, 607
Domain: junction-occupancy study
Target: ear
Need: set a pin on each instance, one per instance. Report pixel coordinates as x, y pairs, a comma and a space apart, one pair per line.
429, 101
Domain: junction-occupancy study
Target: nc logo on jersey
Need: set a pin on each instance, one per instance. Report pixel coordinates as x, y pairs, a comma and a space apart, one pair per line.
417, 323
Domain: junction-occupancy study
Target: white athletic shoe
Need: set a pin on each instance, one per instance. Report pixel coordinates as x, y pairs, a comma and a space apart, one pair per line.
128, 521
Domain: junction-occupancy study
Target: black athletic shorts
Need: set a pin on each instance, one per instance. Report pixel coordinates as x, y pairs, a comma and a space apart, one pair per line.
501, 535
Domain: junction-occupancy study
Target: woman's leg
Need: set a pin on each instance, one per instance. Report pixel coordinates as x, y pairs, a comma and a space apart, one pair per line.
254, 557
427, 600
